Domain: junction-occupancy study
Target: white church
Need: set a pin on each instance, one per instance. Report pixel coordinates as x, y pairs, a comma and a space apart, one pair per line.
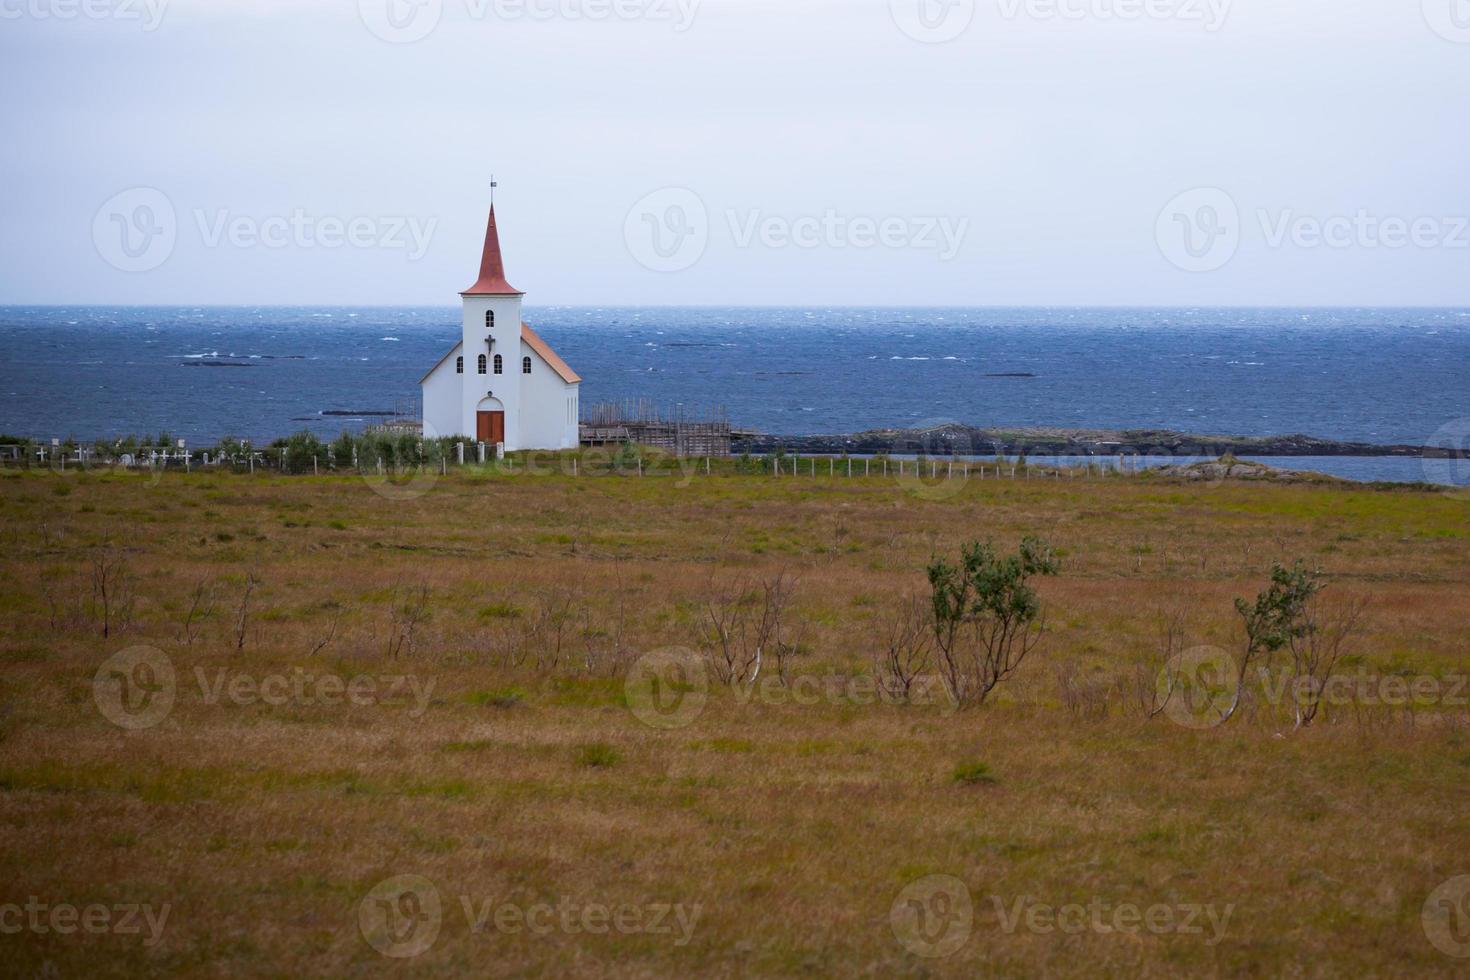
501, 383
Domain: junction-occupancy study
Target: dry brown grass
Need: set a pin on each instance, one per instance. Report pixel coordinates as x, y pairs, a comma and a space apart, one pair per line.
794, 827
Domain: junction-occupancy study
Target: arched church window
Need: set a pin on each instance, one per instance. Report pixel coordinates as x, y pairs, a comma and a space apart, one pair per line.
499, 364
489, 319
525, 365
459, 364
482, 363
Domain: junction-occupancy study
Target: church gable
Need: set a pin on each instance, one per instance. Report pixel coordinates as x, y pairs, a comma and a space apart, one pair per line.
443, 361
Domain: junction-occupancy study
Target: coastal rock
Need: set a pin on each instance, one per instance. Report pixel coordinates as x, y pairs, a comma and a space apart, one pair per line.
1229, 468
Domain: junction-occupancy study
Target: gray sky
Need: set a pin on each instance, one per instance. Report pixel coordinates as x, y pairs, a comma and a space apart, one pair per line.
737, 151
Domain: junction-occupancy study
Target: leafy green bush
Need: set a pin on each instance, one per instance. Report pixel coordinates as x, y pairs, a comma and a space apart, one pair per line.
986, 614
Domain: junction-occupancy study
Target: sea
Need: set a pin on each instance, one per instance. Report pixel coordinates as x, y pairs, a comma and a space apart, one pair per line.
1387, 376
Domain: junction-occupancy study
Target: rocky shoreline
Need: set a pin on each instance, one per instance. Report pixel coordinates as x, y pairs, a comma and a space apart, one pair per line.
960, 440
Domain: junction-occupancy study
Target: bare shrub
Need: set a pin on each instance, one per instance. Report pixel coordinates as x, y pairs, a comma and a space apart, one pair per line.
242, 611
1327, 629
201, 607
1087, 695
744, 623
1156, 679
408, 610
332, 626
605, 649
66, 602
112, 592
546, 631
908, 653
780, 629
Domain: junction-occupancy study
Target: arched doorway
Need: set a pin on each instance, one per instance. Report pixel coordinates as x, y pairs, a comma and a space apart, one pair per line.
490, 421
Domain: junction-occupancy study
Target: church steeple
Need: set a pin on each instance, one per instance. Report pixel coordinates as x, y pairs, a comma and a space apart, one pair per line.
492, 267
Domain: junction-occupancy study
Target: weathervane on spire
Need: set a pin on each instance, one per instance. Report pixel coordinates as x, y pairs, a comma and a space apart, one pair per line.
493, 185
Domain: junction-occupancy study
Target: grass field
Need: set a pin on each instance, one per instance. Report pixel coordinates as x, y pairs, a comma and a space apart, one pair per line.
399, 734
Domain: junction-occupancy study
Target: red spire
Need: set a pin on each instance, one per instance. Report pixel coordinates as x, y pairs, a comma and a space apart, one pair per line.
492, 268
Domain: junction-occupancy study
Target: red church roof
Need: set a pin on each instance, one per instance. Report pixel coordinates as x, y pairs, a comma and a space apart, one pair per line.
492, 267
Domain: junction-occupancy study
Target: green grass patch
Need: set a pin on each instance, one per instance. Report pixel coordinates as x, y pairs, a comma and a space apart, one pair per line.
597, 755
973, 774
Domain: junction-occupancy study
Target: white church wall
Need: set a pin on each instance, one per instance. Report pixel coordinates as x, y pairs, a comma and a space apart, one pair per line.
442, 409
549, 419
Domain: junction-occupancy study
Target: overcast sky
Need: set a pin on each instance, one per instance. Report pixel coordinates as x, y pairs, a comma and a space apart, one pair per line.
737, 151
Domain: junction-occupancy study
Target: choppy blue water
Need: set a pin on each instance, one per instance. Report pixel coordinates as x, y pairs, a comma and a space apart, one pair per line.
1376, 375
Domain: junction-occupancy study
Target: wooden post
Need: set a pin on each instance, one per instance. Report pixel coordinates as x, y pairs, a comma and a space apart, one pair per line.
315, 471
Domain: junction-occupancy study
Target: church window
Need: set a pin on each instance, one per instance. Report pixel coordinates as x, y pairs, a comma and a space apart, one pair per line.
482, 363
489, 319
459, 364
525, 365
499, 364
